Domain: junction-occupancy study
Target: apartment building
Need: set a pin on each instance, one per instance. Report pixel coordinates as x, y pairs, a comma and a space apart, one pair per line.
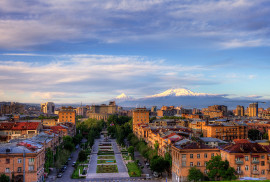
140, 116
13, 130
67, 114
240, 111
226, 131
22, 161
248, 159
253, 109
103, 111
49, 122
166, 111
189, 155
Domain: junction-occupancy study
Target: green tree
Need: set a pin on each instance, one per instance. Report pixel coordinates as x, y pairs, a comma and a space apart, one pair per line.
69, 146
220, 170
48, 159
156, 145
254, 134
4, 178
82, 156
157, 164
195, 174
131, 151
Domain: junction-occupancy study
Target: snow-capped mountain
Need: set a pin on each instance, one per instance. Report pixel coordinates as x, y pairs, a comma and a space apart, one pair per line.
123, 96
179, 92
176, 97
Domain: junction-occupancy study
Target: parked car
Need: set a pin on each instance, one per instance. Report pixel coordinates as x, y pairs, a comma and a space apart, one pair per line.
139, 164
59, 175
77, 146
69, 159
73, 164
147, 164
156, 174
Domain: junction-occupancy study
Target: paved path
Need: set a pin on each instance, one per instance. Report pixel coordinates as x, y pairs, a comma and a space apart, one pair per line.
122, 171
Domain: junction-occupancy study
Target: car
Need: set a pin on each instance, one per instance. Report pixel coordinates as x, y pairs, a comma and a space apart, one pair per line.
77, 146
73, 164
147, 164
155, 174
66, 163
69, 159
59, 175
139, 164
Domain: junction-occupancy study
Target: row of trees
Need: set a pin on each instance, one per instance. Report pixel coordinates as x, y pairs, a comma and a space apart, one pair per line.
119, 127
217, 170
157, 163
90, 129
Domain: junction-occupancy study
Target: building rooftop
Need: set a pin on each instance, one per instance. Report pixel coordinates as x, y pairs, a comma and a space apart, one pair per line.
210, 139
244, 148
20, 147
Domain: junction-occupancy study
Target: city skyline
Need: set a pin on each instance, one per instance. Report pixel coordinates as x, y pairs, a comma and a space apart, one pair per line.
73, 51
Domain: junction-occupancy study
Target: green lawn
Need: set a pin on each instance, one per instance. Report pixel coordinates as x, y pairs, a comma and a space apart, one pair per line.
133, 169
126, 157
107, 169
105, 161
75, 174
106, 157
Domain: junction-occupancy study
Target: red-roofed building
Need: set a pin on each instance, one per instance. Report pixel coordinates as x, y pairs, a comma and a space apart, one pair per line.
248, 159
12, 130
192, 154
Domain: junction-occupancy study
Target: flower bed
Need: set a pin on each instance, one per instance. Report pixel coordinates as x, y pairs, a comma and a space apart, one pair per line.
106, 161
105, 153
106, 157
107, 169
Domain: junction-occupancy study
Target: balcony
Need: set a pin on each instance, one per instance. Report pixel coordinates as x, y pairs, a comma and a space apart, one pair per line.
255, 162
239, 162
239, 172
255, 172
31, 163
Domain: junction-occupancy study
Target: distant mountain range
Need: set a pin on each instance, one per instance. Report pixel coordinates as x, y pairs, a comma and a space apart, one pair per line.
182, 97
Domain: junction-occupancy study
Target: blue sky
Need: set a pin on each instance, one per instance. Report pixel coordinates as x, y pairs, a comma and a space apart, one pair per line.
70, 51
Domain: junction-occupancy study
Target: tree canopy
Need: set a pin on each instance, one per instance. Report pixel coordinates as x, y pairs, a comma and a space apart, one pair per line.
254, 134
220, 170
195, 174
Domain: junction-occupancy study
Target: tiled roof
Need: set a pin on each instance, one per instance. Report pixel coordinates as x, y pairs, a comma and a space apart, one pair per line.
6, 126
26, 126
241, 141
243, 148
196, 145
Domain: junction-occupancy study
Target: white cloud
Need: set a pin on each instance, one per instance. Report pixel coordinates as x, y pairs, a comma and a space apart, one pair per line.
73, 75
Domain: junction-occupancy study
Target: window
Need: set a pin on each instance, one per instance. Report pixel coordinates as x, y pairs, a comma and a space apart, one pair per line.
205, 155
19, 169
263, 172
198, 156
7, 161
246, 158
255, 168
7, 170
212, 155
238, 168
19, 160
238, 159
262, 156
191, 164
254, 158
183, 156
198, 164
184, 164
205, 163
262, 163
31, 160
191, 156
31, 168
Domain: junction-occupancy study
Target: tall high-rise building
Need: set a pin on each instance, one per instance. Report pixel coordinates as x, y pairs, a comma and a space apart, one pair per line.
240, 111
47, 108
154, 109
253, 109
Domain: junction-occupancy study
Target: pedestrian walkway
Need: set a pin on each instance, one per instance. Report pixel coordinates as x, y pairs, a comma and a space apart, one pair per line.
122, 170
